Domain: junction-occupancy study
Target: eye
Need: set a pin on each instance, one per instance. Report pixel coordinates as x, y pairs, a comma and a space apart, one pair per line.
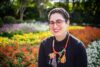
59, 21
51, 22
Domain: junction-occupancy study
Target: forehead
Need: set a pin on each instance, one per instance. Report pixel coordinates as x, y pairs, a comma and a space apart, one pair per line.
56, 16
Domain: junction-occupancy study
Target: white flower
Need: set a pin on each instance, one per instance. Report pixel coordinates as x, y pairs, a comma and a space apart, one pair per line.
93, 53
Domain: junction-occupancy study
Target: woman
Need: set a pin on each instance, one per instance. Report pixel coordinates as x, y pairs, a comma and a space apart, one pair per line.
62, 49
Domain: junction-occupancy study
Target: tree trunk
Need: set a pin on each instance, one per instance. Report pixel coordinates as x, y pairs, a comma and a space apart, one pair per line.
41, 11
22, 9
73, 3
41, 7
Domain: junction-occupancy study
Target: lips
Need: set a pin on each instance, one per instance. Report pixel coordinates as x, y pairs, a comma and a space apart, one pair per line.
56, 30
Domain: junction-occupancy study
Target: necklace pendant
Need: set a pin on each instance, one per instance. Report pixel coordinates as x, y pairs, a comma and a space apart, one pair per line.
53, 59
54, 63
52, 55
63, 59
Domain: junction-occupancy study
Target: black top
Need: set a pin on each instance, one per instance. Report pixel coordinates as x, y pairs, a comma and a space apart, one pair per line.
76, 53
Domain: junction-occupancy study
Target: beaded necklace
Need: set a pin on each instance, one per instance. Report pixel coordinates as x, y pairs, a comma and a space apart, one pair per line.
62, 54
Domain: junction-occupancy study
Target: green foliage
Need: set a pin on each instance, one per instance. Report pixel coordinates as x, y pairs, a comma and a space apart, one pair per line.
37, 9
31, 13
18, 21
6, 9
9, 19
49, 5
1, 22
5, 34
77, 16
63, 5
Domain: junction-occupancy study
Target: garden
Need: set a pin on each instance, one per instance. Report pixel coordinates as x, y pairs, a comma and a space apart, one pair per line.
19, 47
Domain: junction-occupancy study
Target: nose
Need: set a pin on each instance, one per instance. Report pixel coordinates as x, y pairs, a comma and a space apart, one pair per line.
55, 25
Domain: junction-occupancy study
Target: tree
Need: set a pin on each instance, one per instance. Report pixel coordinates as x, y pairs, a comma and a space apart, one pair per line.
91, 8
41, 7
21, 7
5, 7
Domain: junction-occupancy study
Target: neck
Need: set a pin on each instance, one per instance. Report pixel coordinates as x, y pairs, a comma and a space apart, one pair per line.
62, 37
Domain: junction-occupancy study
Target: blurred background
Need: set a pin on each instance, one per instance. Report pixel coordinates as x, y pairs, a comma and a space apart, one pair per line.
24, 25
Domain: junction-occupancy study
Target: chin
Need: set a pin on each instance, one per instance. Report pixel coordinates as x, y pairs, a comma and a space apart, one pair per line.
57, 34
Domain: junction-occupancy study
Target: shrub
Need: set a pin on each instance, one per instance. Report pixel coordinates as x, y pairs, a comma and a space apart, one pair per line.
9, 19
1, 22
93, 53
19, 21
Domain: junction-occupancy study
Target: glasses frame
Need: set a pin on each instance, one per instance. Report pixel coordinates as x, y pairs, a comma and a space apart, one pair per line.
58, 22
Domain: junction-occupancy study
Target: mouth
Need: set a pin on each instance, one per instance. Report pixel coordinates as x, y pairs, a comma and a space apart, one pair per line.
56, 30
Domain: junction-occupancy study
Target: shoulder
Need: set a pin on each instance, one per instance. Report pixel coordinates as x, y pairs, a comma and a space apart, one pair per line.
76, 41
77, 45
47, 41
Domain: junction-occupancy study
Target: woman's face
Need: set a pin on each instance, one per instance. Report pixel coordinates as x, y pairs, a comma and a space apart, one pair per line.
58, 25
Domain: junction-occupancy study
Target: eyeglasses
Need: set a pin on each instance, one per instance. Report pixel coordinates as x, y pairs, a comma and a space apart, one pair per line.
58, 22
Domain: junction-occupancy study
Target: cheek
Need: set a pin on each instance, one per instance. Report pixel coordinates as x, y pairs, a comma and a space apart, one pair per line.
65, 27
51, 29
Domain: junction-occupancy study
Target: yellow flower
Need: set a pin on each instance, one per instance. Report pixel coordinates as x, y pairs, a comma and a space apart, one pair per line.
76, 27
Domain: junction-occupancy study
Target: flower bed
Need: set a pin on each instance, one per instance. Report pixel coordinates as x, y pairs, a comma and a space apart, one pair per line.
86, 34
21, 50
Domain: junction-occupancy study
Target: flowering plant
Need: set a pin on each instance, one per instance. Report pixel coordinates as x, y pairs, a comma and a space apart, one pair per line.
14, 56
93, 53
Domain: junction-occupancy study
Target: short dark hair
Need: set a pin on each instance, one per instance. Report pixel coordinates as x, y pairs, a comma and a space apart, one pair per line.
61, 11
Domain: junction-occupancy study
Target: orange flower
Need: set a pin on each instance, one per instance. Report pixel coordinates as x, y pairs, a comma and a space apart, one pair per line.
23, 63
27, 58
17, 45
87, 35
15, 61
32, 65
9, 48
35, 50
25, 50
1, 49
